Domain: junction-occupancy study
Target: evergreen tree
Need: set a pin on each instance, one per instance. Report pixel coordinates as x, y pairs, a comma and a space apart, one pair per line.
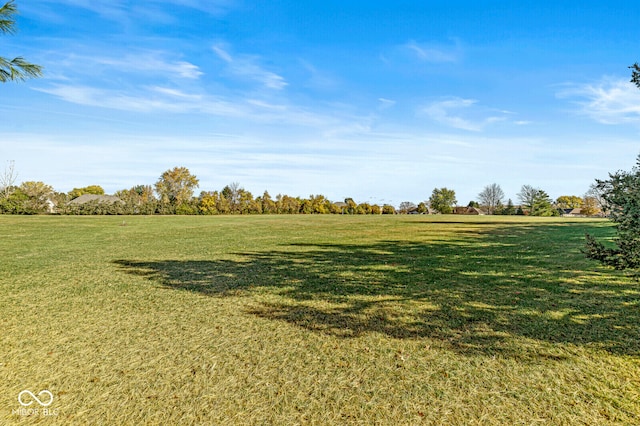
622, 194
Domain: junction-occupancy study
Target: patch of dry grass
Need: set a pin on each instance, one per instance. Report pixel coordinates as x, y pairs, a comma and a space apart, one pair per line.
315, 320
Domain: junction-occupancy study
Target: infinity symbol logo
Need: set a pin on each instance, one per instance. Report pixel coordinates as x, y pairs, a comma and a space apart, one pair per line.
44, 392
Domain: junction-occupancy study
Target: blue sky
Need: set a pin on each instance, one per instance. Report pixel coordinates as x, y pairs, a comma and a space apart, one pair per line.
382, 101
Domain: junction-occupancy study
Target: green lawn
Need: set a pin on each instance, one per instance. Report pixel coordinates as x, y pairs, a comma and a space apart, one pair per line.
321, 320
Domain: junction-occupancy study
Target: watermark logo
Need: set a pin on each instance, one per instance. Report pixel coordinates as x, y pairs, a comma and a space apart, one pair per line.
26, 398
47, 401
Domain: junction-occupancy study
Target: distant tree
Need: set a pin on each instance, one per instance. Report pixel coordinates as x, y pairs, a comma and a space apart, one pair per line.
144, 193
38, 196
287, 204
388, 209
248, 204
422, 208
596, 193
17, 68
364, 208
220, 203
509, 209
232, 193
589, 206
91, 189
15, 202
320, 204
527, 196
268, 205
543, 205
491, 197
375, 209
256, 207
442, 200
207, 203
176, 186
569, 202
405, 207
306, 207
351, 205
622, 194
138, 200
536, 201
8, 180
189, 207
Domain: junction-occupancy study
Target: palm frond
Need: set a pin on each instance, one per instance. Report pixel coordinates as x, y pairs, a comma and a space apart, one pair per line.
18, 69
7, 23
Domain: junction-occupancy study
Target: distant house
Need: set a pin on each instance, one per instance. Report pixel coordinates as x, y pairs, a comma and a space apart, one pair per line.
577, 212
88, 198
342, 206
468, 211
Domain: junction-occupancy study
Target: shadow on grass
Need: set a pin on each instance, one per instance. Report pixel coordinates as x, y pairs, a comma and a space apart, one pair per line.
474, 294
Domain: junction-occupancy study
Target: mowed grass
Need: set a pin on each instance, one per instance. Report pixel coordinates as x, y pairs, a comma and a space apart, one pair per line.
321, 320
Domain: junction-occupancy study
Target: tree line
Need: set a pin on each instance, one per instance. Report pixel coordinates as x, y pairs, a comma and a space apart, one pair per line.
173, 193
491, 201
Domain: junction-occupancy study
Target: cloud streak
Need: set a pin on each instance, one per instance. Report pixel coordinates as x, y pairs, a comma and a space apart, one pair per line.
610, 101
152, 62
160, 99
127, 10
247, 67
145, 64
429, 52
457, 112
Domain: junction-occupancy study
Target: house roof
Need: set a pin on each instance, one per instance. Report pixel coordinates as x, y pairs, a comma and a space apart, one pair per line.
86, 198
575, 211
468, 210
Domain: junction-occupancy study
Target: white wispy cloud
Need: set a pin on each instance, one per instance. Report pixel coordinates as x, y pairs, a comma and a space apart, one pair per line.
222, 53
247, 67
127, 11
161, 99
459, 113
115, 9
385, 103
610, 101
213, 7
149, 99
176, 93
319, 79
432, 52
149, 62
141, 81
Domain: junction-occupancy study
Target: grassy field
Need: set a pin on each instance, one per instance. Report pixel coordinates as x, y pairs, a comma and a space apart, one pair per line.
321, 320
